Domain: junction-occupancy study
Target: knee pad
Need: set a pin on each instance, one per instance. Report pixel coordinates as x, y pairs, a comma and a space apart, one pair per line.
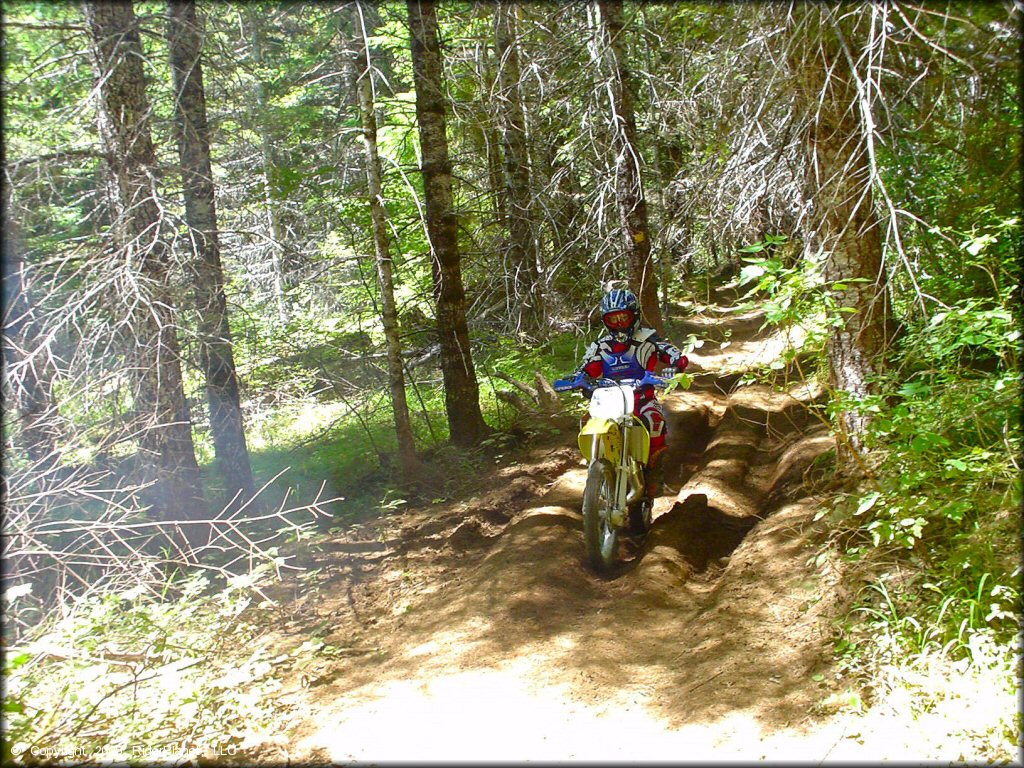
654, 419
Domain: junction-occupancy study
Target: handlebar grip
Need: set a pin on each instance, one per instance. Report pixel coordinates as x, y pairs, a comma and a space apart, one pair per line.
564, 385
656, 381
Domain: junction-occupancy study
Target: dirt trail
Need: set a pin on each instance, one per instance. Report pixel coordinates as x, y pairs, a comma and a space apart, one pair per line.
477, 632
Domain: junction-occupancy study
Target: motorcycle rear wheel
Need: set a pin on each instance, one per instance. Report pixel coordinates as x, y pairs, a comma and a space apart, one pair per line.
599, 536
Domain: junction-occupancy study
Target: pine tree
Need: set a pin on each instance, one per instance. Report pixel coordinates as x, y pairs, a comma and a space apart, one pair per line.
461, 392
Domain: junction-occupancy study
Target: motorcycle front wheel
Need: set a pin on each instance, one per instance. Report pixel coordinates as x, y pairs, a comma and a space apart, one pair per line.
599, 536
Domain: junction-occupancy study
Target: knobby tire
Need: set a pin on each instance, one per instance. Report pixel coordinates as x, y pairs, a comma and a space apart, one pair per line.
600, 539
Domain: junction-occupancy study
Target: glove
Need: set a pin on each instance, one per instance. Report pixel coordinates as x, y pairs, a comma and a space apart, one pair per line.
678, 366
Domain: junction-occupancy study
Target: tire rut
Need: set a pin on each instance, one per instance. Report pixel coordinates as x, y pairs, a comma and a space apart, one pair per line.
734, 474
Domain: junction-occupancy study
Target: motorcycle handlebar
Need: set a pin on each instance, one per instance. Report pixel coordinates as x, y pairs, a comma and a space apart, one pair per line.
582, 381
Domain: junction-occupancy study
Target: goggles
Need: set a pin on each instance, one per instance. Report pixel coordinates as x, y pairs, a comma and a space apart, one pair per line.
619, 320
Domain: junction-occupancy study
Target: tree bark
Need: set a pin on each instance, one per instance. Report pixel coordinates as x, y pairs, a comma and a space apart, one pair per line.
628, 180
161, 415
526, 287
492, 140
382, 247
846, 223
462, 396
185, 37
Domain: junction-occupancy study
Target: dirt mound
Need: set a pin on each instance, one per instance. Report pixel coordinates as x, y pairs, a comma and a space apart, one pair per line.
715, 327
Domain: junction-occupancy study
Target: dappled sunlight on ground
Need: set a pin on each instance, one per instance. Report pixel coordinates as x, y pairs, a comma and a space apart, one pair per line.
748, 354
488, 637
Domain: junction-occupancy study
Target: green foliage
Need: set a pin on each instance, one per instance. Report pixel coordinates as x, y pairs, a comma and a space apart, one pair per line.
948, 616
946, 649
679, 381
560, 353
950, 435
965, 328
793, 294
947, 448
335, 450
937, 526
788, 289
341, 443
35, 73
552, 359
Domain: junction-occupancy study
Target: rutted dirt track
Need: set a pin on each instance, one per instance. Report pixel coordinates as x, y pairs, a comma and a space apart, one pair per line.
477, 632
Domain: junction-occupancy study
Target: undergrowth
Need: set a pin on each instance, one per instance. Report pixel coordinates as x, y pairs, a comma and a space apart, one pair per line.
936, 534
932, 534
345, 446
128, 676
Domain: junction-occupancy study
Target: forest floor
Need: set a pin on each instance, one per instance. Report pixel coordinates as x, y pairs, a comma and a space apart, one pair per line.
475, 631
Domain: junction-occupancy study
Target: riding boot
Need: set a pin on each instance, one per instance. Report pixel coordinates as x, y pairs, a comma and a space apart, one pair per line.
654, 474
640, 511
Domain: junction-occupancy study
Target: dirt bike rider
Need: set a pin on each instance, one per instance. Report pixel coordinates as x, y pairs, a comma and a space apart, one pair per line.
625, 352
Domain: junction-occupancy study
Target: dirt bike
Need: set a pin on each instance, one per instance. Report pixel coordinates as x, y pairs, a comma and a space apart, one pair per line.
616, 444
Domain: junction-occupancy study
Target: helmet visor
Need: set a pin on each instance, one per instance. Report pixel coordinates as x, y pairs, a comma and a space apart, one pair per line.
620, 320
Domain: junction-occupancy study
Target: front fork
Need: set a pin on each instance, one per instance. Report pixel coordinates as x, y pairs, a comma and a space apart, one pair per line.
628, 478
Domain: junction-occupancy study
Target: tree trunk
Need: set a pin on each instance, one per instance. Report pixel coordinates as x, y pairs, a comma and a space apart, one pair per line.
492, 140
662, 179
461, 392
528, 301
628, 182
26, 371
161, 415
274, 226
848, 228
215, 347
389, 311
490, 135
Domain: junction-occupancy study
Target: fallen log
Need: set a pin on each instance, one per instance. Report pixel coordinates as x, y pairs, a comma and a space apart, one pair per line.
541, 399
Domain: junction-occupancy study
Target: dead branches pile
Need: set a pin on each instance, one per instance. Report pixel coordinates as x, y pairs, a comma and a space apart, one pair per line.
72, 532
541, 399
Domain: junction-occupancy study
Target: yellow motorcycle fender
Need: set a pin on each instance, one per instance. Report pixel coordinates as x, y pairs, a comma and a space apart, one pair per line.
607, 432
640, 442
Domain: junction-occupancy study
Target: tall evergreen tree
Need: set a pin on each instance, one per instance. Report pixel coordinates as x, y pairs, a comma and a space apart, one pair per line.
462, 395
382, 247
268, 156
185, 36
525, 284
629, 187
846, 222
161, 417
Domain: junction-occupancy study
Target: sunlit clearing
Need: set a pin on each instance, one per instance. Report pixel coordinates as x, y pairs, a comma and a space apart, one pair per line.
505, 713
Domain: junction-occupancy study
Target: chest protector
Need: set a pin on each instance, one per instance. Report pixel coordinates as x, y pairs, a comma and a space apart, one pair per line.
628, 358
